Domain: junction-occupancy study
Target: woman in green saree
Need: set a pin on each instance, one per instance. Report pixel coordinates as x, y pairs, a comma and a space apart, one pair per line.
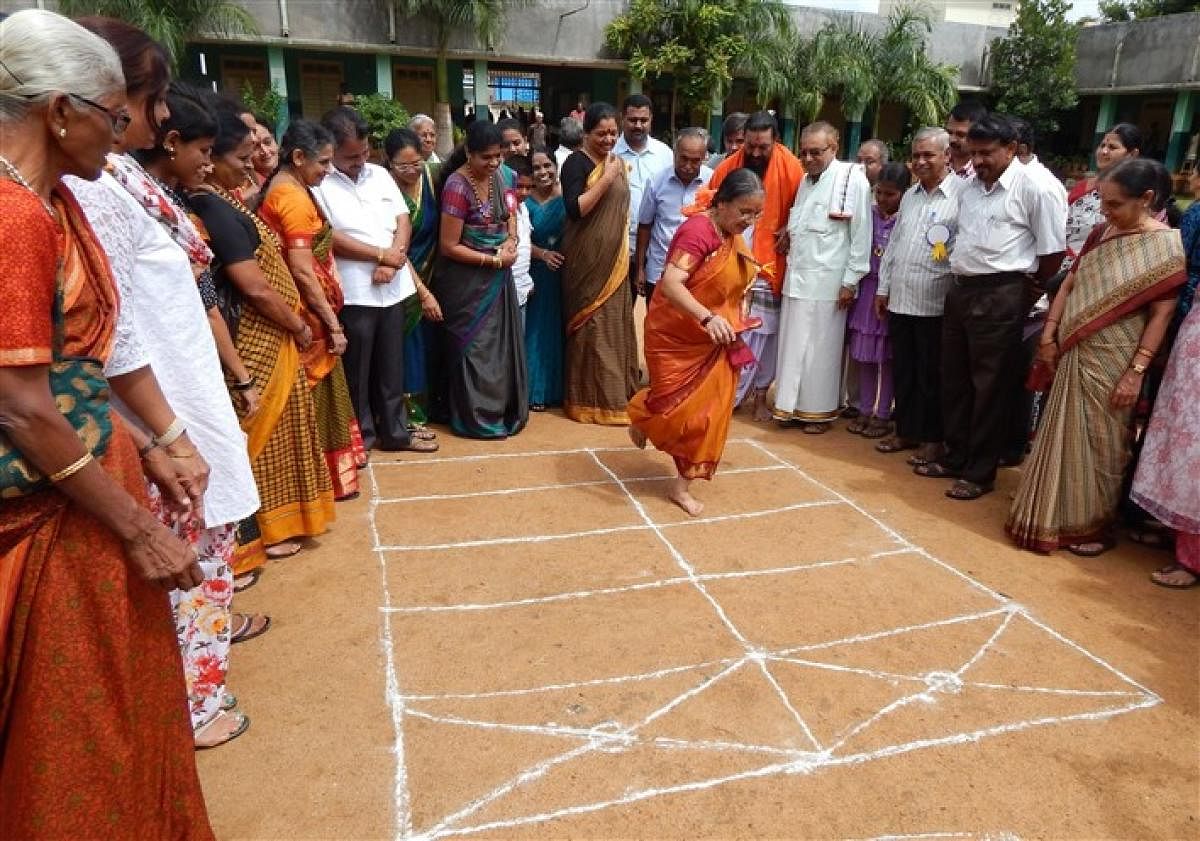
403, 150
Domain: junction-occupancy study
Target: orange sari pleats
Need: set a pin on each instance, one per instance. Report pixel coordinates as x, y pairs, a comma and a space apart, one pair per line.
686, 410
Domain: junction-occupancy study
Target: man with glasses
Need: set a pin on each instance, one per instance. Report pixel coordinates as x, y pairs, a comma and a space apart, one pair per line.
370, 244
829, 250
661, 213
781, 174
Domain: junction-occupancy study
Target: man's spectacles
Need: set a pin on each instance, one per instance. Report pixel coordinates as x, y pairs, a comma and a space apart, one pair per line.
814, 153
120, 121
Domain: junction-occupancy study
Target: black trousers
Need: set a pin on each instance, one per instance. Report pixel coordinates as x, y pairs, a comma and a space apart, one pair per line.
981, 368
917, 376
1020, 424
374, 362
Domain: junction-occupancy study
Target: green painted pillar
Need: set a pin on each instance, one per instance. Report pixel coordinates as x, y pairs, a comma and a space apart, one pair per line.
1181, 125
482, 92
1105, 119
787, 126
716, 116
854, 137
383, 75
277, 75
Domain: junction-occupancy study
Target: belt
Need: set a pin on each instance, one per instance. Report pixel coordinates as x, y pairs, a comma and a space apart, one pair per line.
989, 279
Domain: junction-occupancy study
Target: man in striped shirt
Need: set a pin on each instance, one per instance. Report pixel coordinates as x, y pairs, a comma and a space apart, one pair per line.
914, 277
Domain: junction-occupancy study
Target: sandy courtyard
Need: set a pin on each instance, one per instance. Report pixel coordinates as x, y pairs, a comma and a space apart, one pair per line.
525, 640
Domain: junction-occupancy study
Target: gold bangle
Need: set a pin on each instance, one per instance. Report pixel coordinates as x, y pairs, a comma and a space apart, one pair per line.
72, 468
379, 258
192, 454
1147, 351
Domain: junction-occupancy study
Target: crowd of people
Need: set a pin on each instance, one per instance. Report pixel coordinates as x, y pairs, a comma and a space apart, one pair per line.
211, 328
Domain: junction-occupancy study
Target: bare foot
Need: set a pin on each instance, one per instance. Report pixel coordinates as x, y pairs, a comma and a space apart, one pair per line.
224, 727
637, 437
681, 496
762, 412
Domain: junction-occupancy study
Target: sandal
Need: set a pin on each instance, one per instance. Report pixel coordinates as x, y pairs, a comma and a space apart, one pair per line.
1092, 548
246, 580
283, 550
935, 470
229, 702
1160, 577
894, 444
817, 428
877, 428
243, 724
537, 407
420, 445
246, 629
422, 433
965, 491
850, 413
1152, 538
858, 426
925, 454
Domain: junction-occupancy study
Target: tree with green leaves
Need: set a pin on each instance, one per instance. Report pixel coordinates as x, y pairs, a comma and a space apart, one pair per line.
865, 68
485, 18
700, 44
1033, 67
382, 113
1120, 10
170, 22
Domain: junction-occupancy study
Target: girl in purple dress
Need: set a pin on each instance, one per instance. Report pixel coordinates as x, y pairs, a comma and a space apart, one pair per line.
869, 345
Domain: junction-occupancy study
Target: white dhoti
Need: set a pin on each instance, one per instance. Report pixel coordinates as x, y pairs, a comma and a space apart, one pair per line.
761, 342
808, 374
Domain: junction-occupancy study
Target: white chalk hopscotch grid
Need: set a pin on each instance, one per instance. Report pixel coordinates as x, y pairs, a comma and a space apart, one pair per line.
614, 737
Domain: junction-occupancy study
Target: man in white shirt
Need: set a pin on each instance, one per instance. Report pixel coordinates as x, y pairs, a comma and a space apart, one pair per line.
661, 213
1023, 399
570, 139
914, 277
522, 171
1008, 230
370, 244
829, 250
958, 123
645, 157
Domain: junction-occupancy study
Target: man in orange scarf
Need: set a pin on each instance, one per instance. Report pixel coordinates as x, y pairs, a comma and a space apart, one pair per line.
781, 174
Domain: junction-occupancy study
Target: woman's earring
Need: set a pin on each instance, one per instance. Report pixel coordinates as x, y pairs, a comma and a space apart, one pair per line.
62, 132
170, 152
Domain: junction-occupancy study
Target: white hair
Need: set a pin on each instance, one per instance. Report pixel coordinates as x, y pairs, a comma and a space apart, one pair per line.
939, 136
419, 120
691, 133
42, 53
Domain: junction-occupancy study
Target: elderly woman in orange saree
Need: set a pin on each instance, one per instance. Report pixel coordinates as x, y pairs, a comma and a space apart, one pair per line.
94, 730
692, 344
288, 208
1106, 325
601, 353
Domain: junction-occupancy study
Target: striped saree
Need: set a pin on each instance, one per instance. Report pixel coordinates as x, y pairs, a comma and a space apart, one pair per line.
1072, 483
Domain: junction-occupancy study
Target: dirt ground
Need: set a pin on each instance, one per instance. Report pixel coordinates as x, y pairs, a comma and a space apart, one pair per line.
524, 640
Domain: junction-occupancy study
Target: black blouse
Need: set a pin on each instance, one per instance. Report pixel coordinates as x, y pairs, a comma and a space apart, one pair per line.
574, 175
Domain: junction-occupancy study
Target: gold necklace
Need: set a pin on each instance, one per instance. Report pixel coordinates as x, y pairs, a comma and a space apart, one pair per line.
16, 177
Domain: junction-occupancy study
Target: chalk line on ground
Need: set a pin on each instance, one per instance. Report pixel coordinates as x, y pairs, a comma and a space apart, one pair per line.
613, 737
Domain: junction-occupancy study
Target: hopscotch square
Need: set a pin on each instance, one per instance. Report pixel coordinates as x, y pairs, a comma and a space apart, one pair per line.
781, 539
549, 512
568, 569
628, 463
541, 644
883, 667
827, 603
753, 492
494, 474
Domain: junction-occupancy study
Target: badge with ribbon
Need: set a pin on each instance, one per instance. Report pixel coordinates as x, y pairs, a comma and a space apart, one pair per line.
937, 236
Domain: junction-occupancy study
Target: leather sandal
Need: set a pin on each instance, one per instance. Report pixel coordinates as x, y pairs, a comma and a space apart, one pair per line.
965, 491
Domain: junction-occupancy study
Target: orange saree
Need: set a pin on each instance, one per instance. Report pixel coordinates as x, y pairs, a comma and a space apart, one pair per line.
289, 210
685, 412
95, 737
